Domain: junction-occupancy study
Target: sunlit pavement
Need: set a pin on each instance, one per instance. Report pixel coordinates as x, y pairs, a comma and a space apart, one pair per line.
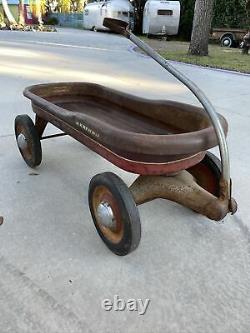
54, 269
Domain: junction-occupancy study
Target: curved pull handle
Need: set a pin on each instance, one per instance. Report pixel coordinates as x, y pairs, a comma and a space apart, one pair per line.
122, 28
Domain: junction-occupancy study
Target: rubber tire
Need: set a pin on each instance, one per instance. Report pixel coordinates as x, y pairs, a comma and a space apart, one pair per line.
229, 39
127, 208
213, 165
32, 138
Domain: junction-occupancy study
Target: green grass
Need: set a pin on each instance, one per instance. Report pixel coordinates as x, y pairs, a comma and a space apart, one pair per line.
219, 57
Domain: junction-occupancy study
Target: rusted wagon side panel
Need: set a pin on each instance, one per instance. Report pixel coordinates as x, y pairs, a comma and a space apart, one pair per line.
148, 131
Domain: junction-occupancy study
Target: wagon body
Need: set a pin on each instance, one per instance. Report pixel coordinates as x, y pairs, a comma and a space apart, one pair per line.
139, 135
164, 142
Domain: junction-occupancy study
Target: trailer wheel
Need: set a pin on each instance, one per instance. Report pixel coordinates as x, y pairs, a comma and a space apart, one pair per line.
207, 173
227, 41
28, 140
114, 213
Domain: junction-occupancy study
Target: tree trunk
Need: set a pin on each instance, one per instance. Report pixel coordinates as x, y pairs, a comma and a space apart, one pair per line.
7, 12
203, 14
21, 13
39, 11
139, 7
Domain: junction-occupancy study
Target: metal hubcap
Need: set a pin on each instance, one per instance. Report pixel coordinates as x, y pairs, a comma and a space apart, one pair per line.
106, 216
22, 142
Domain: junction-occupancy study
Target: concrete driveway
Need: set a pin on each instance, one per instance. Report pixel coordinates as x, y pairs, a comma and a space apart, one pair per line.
54, 269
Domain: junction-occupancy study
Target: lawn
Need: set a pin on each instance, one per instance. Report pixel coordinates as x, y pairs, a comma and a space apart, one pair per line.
219, 57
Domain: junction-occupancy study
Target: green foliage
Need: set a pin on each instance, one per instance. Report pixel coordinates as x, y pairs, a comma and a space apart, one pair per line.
69, 6
187, 14
227, 13
38, 5
1, 18
51, 21
231, 13
64, 6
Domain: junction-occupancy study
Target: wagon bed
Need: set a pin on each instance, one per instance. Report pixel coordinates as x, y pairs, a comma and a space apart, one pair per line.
139, 135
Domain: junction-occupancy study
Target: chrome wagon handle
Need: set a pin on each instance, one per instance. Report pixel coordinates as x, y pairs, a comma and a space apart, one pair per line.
121, 27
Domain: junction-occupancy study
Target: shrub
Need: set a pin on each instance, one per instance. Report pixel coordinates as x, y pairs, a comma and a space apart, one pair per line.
186, 21
231, 13
51, 20
227, 13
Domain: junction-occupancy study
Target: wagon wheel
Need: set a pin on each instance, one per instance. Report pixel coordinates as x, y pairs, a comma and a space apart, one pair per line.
114, 213
28, 140
207, 173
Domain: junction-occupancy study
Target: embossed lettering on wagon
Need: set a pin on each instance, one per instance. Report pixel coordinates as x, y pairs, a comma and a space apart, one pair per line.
87, 129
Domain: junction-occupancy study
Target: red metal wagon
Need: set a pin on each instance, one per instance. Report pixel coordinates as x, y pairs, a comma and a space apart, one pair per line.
164, 142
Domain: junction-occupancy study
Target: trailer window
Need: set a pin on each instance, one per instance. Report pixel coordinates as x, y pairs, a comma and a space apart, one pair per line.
126, 14
165, 12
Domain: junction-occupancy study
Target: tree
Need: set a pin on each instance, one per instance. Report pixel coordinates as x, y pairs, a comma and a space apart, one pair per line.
7, 12
186, 19
38, 9
138, 7
203, 13
21, 13
230, 14
64, 6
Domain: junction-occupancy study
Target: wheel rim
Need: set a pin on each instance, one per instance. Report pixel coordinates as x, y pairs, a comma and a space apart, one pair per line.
226, 42
23, 143
107, 214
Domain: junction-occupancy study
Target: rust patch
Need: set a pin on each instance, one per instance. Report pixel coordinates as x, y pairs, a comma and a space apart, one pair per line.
181, 189
102, 194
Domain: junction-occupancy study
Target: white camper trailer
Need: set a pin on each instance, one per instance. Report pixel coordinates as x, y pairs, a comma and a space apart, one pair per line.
95, 12
161, 17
